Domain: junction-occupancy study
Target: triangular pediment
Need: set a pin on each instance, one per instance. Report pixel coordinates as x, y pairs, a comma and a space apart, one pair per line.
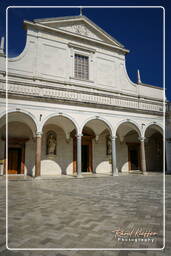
81, 26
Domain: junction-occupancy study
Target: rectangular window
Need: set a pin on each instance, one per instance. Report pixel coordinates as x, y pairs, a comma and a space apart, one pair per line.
81, 67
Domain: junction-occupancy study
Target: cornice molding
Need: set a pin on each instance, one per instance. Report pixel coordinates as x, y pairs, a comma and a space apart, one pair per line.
44, 27
87, 97
78, 46
93, 87
81, 104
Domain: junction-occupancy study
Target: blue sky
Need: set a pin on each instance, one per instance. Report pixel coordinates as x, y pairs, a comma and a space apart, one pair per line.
139, 29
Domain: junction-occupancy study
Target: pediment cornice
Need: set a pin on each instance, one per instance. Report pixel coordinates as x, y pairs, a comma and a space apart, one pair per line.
80, 27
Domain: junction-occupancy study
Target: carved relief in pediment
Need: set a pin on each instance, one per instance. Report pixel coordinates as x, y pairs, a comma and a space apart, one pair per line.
80, 29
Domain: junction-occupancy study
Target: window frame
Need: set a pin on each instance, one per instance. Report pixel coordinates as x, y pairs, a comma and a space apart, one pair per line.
81, 54
84, 51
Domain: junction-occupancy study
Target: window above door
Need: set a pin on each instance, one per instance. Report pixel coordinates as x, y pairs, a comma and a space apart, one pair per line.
81, 67
82, 59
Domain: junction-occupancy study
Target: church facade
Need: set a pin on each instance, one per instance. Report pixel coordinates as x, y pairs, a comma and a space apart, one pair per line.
72, 108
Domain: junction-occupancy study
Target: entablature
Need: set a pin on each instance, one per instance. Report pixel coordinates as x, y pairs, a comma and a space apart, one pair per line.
74, 93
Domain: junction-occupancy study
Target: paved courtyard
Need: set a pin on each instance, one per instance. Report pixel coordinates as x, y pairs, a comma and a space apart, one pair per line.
85, 213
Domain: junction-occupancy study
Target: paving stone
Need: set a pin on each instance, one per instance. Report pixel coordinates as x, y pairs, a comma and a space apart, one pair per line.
82, 213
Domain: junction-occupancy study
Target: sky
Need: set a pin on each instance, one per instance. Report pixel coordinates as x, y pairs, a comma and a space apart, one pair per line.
139, 29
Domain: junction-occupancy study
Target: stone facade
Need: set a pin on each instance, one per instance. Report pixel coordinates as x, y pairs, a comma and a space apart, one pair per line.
103, 124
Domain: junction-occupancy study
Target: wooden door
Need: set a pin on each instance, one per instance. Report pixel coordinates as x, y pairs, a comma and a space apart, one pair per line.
87, 158
14, 160
134, 156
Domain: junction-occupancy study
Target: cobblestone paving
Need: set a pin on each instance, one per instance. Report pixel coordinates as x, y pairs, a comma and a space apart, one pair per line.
82, 213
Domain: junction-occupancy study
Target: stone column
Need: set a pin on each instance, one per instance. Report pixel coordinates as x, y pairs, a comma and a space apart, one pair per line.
114, 169
38, 154
79, 154
143, 159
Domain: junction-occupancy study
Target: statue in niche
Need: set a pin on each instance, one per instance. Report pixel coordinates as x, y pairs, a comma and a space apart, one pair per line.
108, 146
51, 143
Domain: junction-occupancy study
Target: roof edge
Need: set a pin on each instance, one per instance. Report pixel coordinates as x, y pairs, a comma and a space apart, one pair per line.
153, 86
81, 17
40, 25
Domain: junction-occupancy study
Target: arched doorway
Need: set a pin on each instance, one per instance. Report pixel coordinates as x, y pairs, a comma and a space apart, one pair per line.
94, 156
59, 159
128, 147
19, 145
154, 148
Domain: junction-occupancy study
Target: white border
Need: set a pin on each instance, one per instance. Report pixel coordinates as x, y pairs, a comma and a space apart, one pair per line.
87, 249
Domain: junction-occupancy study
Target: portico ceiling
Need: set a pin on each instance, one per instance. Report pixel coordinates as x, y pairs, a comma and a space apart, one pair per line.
97, 126
19, 117
63, 122
125, 128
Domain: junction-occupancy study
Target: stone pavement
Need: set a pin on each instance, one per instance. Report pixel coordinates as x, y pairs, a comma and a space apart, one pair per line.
83, 213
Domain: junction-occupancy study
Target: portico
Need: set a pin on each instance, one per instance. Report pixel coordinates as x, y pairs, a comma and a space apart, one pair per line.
94, 146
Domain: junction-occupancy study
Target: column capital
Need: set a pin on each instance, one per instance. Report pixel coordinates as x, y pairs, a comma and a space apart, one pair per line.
78, 136
113, 137
38, 134
96, 138
141, 138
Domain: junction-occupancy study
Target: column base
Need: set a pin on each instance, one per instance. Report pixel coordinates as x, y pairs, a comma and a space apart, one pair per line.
37, 177
145, 173
79, 176
115, 174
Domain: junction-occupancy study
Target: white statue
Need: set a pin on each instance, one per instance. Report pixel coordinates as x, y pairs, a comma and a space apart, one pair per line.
51, 145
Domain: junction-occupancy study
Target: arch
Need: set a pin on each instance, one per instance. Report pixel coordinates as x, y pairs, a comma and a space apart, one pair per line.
158, 127
154, 148
25, 112
56, 115
134, 123
22, 126
97, 118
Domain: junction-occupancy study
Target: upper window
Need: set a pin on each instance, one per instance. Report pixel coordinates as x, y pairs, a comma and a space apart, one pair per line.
81, 67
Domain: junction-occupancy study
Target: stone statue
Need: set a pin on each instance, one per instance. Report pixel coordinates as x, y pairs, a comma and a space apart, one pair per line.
51, 144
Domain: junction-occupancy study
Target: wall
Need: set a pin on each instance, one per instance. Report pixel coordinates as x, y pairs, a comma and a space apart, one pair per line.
122, 156
62, 162
30, 151
154, 153
101, 162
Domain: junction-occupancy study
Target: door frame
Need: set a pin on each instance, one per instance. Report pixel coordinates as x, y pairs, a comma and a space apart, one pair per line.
16, 143
137, 146
85, 140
